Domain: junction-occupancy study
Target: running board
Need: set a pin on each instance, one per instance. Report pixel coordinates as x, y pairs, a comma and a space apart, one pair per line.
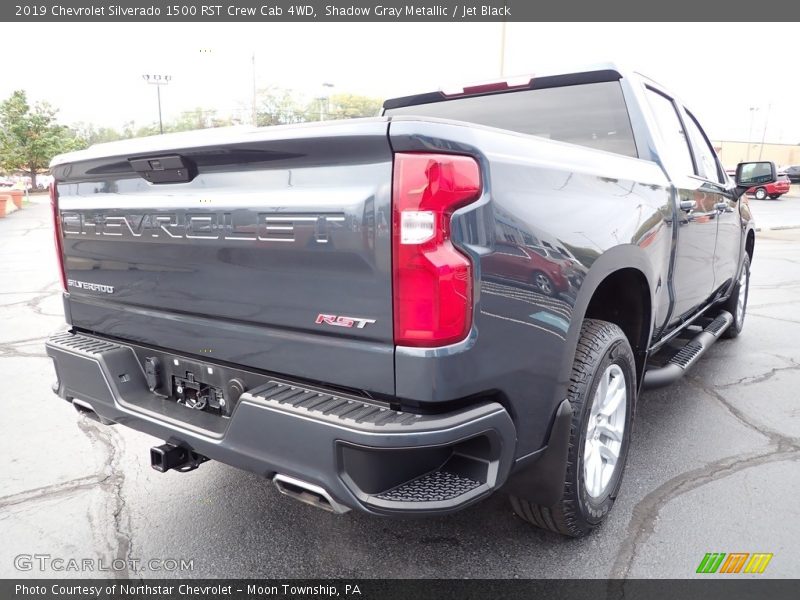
677, 366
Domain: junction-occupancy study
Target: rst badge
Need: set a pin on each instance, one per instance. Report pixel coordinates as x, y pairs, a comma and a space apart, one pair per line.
341, 321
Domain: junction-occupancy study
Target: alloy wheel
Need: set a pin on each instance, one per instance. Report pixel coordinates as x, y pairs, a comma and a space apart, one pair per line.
543, 284
741, 301
604, 431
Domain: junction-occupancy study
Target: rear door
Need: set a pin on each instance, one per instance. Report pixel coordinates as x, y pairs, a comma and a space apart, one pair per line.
276, 256
715, 184
693, 275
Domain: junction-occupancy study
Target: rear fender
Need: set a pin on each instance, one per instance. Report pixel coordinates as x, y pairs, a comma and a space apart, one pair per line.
626, 256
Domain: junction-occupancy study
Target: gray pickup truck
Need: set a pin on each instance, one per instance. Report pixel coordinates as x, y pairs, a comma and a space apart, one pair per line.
403, 314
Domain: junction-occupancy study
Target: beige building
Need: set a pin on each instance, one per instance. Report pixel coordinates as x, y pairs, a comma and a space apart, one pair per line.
732, 153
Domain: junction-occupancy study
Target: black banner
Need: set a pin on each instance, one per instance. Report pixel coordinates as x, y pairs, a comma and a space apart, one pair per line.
731, 588
395, 11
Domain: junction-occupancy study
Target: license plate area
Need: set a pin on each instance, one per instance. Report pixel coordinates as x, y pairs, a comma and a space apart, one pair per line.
193, 385
198, 395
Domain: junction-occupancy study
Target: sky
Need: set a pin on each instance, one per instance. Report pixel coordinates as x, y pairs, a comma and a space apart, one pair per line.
92, 72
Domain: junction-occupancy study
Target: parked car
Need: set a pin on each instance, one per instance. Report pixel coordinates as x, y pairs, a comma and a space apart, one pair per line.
528, 264
792, 172
772, 190
237, 297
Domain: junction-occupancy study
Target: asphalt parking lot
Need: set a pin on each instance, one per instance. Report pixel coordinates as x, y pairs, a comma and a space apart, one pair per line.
714, 465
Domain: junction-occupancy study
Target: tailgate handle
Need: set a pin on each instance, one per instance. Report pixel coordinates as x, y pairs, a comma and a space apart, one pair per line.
172, 168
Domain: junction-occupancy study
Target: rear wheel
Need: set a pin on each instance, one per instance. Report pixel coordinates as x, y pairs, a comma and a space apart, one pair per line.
602, 391
761, 194
737, 303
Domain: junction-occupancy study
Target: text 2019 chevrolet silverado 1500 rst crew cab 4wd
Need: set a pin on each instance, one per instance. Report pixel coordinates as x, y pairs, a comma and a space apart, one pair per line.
403, 314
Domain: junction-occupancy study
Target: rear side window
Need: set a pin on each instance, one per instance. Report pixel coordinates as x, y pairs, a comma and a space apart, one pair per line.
590, 114
704, 153
671, 130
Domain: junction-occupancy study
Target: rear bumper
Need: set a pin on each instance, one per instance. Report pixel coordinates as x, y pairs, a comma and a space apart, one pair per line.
365, 455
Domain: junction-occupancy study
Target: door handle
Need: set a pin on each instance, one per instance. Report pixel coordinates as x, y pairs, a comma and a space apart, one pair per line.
688, 205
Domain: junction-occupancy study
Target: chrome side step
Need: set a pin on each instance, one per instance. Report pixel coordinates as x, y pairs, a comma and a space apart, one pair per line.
682, 361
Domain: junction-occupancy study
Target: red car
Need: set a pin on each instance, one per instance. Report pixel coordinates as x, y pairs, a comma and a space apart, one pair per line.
773, 190
530, 264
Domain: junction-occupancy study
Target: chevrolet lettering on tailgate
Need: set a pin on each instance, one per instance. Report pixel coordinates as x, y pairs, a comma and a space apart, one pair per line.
249, 226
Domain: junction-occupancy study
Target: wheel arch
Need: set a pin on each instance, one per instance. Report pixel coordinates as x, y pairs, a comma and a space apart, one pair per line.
618, 288
750, 243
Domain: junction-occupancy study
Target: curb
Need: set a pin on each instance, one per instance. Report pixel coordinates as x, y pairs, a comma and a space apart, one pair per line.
777, 228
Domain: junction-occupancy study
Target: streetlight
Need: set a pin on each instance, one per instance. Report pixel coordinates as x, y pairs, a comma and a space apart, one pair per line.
255, 91
503, 48
764, 133
327, 98
158, 81
753, 110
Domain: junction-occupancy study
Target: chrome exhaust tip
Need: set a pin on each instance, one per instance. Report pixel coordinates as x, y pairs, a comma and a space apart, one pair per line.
308, 493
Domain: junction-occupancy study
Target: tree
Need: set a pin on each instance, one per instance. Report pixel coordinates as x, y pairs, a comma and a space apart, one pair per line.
30, 136
342, 106
88, 134
199, 118
279, 106
353, 106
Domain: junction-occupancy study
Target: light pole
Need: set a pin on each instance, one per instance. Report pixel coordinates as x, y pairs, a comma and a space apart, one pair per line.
158, 81
326, 97
503, 49
753, 110
764, 133
255, 92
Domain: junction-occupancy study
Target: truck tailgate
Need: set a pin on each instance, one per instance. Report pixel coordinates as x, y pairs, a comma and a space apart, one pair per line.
275, 256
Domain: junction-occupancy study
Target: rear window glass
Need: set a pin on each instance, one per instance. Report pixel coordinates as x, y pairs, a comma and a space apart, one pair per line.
590, 114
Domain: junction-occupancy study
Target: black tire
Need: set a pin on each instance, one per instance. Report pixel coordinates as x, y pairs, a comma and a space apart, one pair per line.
761, 194
732, 304
543, 283
577, 513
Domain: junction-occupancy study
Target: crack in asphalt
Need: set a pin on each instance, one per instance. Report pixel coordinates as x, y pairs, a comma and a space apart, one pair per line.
776, 438
775, 318
35, 303
111, 477
11, 349
39, 225
27, 293
38, 338
64, 488
770, 304
763, 377
645, 514
112, 484
17, 354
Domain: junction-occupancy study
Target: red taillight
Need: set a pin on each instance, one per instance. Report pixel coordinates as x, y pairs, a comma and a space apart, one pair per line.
57, 234
432, 279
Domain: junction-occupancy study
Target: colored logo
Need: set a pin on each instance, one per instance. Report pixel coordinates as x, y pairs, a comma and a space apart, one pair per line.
735, 562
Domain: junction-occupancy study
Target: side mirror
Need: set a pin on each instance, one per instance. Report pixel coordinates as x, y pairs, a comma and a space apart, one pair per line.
749, 174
